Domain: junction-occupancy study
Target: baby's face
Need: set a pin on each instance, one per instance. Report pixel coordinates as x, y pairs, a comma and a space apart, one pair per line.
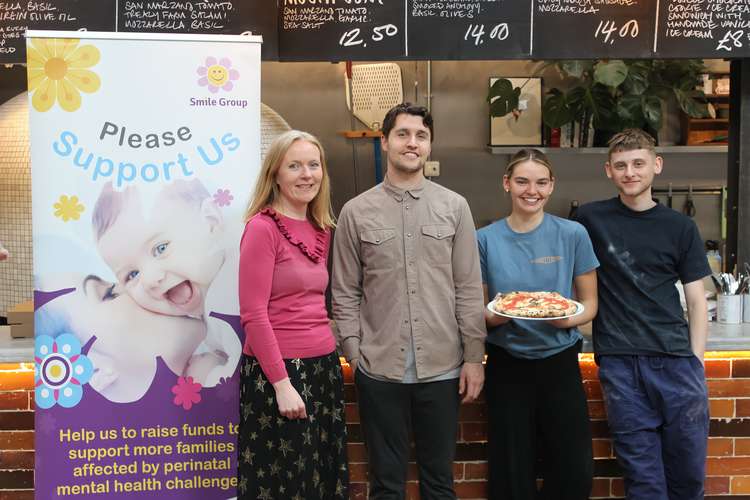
165, 262
127, 332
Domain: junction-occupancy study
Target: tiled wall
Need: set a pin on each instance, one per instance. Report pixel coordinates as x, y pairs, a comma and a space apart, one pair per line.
16, 280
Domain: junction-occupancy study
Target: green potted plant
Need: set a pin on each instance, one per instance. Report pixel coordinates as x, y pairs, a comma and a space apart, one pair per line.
613, 94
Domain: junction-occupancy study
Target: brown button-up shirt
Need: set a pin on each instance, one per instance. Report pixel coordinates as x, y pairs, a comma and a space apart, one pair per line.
406, 269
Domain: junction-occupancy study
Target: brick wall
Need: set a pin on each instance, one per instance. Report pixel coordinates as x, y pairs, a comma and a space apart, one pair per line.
728, 464
16, 431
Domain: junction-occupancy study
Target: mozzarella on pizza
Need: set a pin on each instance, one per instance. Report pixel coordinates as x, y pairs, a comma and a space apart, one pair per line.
534, 305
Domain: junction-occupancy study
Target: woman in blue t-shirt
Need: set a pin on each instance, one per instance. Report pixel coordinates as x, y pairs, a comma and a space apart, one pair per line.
533, 384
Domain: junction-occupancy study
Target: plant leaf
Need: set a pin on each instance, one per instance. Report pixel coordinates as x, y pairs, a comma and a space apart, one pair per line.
576, 68
637, 80
652, 111
577, 101
556, 111
601, 104
611, 73
503, 97
630, 111
690, 102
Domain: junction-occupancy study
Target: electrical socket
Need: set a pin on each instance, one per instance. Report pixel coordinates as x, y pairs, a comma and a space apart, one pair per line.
432, 169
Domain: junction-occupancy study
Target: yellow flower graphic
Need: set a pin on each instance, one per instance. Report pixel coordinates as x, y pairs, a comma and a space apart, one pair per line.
68, 208
56, 72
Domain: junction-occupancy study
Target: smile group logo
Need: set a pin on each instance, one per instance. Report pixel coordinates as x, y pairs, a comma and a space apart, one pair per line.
217, 74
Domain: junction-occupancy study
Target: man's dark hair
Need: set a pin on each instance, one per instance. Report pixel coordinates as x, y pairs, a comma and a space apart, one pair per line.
411, 109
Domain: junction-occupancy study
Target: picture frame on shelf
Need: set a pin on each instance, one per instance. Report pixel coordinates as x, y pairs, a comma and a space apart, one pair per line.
522, 127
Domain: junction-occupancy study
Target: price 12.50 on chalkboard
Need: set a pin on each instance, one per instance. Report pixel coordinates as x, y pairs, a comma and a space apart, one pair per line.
341, 29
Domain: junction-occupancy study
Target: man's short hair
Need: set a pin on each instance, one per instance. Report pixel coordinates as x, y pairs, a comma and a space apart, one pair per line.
631, 139
410, 109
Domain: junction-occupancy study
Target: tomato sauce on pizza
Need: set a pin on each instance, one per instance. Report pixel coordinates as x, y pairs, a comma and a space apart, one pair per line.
535, 305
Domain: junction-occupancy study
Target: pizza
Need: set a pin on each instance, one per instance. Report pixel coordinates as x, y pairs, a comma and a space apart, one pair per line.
534, 305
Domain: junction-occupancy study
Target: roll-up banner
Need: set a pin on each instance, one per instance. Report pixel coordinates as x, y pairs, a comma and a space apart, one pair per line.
144, 149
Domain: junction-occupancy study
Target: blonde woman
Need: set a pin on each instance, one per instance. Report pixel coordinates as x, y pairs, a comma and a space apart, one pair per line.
292, 437
533, 384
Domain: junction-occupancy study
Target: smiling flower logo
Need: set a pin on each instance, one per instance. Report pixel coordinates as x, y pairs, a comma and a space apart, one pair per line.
217, 75
57, 72
60, 371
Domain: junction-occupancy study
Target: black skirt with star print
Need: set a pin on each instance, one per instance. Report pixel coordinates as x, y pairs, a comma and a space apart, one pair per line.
295, 459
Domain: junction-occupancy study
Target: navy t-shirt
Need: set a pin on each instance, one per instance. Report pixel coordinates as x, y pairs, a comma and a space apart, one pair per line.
642, 255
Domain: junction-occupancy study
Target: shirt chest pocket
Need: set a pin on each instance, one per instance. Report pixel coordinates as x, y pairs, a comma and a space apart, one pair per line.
437, 243
378, 247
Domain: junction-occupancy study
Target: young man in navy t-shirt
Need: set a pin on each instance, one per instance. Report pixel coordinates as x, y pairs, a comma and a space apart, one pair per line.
650, 358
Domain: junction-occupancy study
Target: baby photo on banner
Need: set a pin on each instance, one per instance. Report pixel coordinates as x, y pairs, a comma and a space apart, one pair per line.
144, 149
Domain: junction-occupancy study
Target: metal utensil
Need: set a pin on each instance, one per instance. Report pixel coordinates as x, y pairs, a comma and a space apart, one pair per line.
669, 195
731, 285
689, 208
717, 283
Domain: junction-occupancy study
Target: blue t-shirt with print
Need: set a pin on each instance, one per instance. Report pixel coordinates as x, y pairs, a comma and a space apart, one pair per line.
547, 259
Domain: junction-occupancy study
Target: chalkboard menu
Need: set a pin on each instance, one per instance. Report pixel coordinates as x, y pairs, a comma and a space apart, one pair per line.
468, 29
391, 30
567, 29
18, 16
703, 28
153, 16
202, 16
337, 30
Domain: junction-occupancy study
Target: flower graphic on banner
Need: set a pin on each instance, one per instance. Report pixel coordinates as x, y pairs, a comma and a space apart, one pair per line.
60, 371
68, 208
223, 197
57, 72
217, 75
187, 392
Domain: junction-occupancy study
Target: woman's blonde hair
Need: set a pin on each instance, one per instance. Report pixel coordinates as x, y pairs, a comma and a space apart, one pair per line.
529, 154
267, 190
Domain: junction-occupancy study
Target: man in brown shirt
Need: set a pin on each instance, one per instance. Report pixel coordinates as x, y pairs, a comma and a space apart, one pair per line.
408, 304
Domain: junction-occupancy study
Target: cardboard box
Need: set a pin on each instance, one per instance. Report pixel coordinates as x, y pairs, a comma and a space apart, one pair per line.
27, 306
21, 314
22, 331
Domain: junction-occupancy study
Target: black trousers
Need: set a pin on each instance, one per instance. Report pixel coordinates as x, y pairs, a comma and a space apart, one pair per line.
537, 411
387, 411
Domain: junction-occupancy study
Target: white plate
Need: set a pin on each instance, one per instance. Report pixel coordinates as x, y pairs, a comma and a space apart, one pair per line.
579, 310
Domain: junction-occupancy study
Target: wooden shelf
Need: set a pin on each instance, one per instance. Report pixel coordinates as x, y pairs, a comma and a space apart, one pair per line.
358, 134
700, 131
712, 130
508, 150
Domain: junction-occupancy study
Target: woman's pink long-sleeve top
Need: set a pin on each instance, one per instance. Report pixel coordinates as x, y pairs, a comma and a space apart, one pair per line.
282, 291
